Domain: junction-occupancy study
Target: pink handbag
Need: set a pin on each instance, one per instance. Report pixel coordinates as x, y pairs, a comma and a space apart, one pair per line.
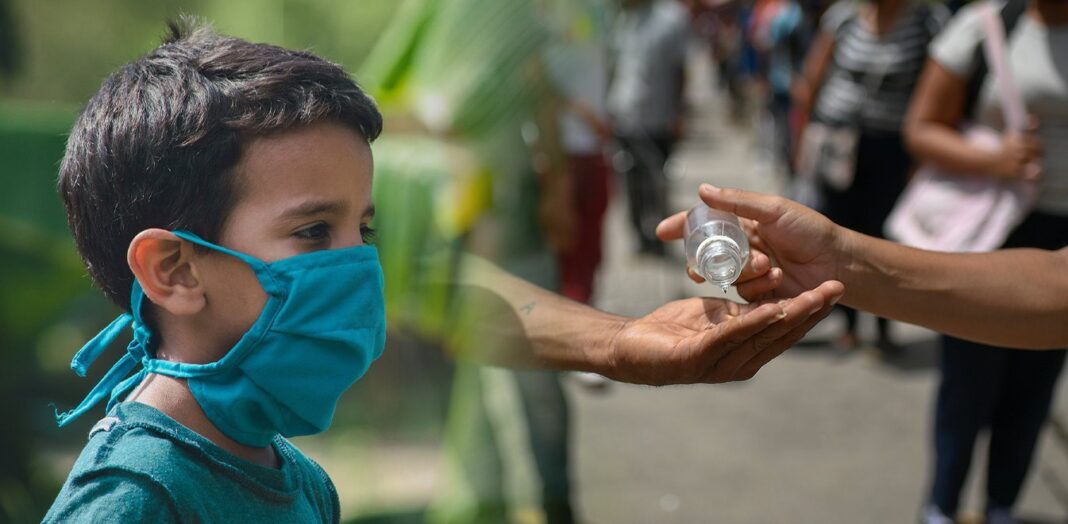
962, 212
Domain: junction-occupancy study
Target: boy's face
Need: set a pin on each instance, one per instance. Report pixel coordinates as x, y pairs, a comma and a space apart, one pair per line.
302, 190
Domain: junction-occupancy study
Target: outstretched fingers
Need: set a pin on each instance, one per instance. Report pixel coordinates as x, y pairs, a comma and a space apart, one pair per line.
752, 350
749, 369
720, 340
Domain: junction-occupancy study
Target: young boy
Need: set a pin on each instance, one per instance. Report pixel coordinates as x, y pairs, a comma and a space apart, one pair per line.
208, 142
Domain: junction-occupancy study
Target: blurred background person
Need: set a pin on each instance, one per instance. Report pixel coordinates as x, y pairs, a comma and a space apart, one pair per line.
726, 39
1009, 392
576, 61
650, 40
718, 39
781, 33
858, 78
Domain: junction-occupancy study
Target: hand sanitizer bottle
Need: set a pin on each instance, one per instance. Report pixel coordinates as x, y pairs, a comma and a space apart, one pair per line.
716, 246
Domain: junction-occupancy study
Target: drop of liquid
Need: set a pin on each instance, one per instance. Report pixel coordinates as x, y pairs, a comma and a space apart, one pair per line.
724, 287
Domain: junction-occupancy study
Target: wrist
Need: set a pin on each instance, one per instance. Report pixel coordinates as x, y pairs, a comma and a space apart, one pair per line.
847, 253
602, 350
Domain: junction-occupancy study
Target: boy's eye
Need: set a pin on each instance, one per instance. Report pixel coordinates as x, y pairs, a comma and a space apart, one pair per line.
368, 234
316, 232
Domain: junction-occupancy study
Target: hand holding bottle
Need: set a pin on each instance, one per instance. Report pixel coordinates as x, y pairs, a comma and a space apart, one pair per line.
807, 246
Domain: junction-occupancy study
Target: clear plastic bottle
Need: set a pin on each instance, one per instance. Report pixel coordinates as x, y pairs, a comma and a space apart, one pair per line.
716, 247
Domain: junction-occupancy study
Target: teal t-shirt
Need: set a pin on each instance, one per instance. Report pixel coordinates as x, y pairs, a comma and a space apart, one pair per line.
142, 466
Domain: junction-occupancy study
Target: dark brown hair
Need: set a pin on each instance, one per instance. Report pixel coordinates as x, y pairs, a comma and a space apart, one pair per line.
156, 146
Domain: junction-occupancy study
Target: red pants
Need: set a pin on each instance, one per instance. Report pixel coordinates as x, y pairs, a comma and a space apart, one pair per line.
590, 174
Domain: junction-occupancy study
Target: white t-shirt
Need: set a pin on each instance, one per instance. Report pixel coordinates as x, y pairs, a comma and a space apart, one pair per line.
1038, 59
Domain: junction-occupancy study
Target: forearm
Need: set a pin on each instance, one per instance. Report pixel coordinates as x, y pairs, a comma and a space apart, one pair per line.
807, 84
947, 148
1013, 298
511, 322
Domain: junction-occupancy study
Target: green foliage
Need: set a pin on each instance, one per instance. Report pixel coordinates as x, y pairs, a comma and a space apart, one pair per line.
68, 48
9, 50
416, 247
389, 64
460, 81
42, 280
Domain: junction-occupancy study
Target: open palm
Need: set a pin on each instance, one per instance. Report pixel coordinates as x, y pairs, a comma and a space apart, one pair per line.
705, 340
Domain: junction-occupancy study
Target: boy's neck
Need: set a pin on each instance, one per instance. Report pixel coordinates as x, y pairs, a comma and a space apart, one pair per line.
173, 397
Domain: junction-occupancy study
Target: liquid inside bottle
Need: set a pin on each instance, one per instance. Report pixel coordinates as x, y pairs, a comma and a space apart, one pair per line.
716, 246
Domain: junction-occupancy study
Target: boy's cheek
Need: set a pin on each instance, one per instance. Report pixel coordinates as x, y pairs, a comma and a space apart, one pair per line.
235, 299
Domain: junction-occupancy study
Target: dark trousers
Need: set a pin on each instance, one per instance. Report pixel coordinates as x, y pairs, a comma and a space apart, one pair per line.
879, 178
643, 171
1006, 390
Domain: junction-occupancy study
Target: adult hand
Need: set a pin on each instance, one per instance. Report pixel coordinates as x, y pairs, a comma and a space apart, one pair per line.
1019, 157
705, 340
807, 246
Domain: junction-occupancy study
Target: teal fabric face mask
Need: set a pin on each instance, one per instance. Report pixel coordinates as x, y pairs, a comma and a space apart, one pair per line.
322, 326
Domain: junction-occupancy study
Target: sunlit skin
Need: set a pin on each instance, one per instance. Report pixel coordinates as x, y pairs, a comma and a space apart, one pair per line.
298, 191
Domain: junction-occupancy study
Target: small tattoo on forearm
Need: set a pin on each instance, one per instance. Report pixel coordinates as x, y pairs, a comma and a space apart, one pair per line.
528, 308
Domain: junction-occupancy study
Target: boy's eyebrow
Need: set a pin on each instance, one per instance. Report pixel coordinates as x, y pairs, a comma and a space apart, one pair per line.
369, 212
313, 207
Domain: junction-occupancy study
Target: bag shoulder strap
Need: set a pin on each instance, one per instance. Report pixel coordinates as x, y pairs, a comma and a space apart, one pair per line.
1010, 16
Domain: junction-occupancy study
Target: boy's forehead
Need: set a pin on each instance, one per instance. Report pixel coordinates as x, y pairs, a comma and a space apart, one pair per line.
314, 166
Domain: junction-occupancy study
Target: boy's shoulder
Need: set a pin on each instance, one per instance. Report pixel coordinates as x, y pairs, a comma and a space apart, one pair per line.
141, 465
132, 438
130, 469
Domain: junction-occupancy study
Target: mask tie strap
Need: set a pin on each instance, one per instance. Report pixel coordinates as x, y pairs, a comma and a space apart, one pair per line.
135, 350
101, 390
113, 382
259, 266
95, 347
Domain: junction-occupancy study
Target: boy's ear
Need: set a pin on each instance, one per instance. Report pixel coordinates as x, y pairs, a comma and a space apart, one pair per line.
164, 265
